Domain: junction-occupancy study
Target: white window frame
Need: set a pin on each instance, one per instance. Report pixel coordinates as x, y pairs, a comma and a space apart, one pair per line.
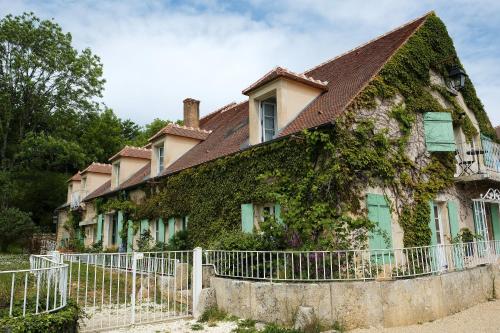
262, 122
160, 158
438, 222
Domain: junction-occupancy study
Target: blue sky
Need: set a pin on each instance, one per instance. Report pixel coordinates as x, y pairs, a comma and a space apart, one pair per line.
156, 53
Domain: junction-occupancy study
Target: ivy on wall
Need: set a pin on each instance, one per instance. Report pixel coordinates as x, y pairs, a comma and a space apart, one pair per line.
318, 176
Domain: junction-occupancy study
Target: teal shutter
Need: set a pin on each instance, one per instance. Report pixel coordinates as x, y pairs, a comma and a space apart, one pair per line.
161, 230
380, 214
453, 218
144, 226
130, 236
277, 213
171, 227
99, 228
495, 221
119, 229
247, 218
79, 234
438, 128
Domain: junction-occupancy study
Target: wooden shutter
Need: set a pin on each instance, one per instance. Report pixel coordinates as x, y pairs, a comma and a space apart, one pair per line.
171, 227
130, 237
144, 226
495, 221
99, 228
438, 129
161, 230
247, 218
453, 218
380, 214
277, 213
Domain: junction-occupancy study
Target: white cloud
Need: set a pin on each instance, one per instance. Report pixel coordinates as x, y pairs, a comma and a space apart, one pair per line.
157, 53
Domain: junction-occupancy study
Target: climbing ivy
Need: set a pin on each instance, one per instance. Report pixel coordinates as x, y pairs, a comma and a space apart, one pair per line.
319, 176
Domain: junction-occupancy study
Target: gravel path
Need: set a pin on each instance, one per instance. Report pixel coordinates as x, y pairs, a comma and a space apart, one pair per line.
484, 317
481, 318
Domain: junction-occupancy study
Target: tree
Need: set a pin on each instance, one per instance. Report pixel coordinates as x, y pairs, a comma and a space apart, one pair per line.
41, 75
16, 228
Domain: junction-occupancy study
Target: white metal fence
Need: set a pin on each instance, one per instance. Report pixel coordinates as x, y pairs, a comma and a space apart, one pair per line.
351, 264
120, 289
40, 289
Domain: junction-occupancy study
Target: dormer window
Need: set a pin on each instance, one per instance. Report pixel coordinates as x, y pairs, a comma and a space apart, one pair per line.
160, 157
84, 183
268, 119
116, 172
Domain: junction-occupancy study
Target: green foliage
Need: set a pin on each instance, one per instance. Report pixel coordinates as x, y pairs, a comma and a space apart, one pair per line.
465, 236
62, 321
145, 241
212, 314
16, 228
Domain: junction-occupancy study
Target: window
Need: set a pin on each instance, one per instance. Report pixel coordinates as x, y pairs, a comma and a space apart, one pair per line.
438, 224
157, 230
160, 155
268, 119
267, 210
184, 223
84, 183
114, 228
116, 171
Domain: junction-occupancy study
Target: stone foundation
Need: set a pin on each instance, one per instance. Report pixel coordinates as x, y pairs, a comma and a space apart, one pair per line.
360, 304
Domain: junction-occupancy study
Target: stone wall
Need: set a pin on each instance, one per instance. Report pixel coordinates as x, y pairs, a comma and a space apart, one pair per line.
360, 304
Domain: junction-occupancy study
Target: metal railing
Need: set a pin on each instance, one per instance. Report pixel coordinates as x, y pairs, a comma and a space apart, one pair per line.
351, 265
120, 289
474, 158
76, 198
40, 289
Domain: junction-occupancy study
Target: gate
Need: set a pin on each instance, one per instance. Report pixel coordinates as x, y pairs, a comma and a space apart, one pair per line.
122, 289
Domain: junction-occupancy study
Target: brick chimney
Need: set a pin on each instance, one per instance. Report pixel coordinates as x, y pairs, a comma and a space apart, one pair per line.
191, 113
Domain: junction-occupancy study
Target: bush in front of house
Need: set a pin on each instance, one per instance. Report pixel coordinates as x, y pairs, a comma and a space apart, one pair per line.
62, 321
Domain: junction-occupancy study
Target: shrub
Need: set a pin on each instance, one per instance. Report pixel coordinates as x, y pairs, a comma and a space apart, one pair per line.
16, 228
62, 321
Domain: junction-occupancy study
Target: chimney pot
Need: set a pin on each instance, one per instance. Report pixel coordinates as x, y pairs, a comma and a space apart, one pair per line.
191, 113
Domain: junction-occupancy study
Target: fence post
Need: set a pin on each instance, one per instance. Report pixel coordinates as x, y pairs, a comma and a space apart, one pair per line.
197, 279
135, 256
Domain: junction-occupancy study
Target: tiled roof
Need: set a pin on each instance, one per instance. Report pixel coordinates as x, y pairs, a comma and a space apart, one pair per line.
101, 190
135, 179
136, 152
189, 132
76, 177
98, 168
283, 72
225, 131
347, 75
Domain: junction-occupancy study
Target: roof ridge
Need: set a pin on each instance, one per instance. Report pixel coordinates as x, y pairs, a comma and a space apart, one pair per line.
221, 109
369, 42
189, 128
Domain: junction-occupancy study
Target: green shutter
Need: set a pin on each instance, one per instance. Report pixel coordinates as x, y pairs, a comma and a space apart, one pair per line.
161, 231
438, 129
119, 229
432, 224
99, 228
495, 221
144, 226
79, 233
453, 218
171, 227
277, 213
247, 218
130, 236
380, 214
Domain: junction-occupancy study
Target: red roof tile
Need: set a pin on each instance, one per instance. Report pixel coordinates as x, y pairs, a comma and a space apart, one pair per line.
347, 75
75, 178
135, 152
98, 168
188, 132
283, 72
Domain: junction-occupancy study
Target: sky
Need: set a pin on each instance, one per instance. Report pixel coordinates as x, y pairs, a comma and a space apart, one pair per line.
157, 53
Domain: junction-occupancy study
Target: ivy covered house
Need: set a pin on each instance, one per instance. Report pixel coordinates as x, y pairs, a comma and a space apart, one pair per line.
384, 146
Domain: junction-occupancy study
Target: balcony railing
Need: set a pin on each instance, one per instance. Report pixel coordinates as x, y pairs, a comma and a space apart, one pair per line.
478, 159
76, 198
